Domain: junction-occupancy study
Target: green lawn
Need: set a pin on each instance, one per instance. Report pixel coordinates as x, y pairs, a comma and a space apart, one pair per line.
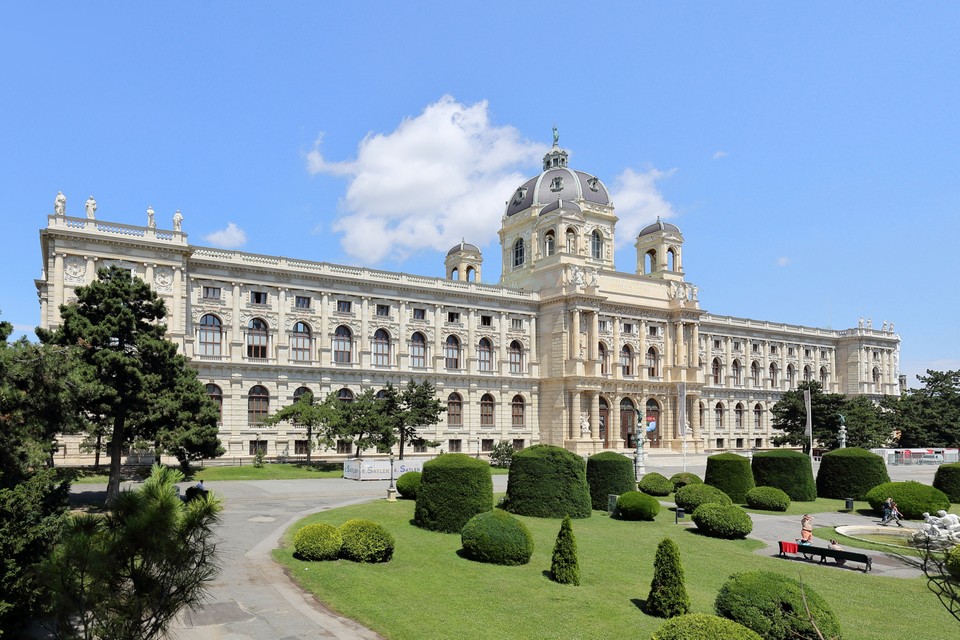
269, 471
428, 591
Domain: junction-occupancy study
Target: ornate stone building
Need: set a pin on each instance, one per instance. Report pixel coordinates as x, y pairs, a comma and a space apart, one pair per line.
565, 350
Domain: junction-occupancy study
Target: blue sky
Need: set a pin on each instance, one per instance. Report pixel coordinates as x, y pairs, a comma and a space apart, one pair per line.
809, 152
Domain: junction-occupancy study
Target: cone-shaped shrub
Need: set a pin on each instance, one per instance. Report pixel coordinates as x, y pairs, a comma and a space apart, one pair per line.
453, 488
655, 484
693, 495
772, 604
850, 473
731, 474
948, 480
702, 626
912, 498
684, 478
408, 483
498, 538
547, 482
609, 473
565, 567
787, 470
668, 597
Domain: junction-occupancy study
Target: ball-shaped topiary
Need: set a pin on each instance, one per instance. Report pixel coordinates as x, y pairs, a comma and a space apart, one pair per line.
668, 595
727, 521
693, 495
548, 482
498, 538
609, 473
684, 478
408, 483
731, 474
952, 563
912, 498
787, 470
636, 505
850, 473
318, 542
655, 484
772, 604
453, 488
947, 479
700, 626
768, 499
365, 541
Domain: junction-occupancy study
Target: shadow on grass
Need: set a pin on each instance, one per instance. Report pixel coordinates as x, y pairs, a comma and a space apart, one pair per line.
91, 501
640, 603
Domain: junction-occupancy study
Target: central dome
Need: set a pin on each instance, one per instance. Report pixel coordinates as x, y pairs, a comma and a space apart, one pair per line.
557, 182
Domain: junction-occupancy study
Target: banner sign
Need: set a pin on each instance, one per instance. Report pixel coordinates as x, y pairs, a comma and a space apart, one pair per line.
378, 468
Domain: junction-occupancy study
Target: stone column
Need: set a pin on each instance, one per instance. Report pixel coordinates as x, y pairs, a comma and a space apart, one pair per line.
614, 353
324, 331
58, 288
402, 339
681, 354
595, 416
575, 334
438, 338
501, 365
236, 339
533, 339
642, 373
594, 337
695, 346
178, 319
283, 336
470, 349
613, 429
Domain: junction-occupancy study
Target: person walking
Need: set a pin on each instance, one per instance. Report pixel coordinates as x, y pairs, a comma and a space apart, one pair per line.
806, 529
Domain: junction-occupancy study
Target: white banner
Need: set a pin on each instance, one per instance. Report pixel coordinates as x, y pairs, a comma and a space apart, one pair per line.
378, 468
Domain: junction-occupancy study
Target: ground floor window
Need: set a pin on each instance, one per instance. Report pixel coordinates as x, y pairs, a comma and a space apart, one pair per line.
486, 444
719, 443
739, 443
344, 446
258, 445
419, 447
517, 444
758, 443
455, 446
301, 447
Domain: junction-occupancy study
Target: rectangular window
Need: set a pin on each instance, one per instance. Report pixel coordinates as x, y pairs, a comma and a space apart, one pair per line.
755, 348
486, 444
773, 350
716, 344
517, 444
419, 314
302, 302
823, 354
344, 306
758, 443
739, 443
383, 310
790, 351
486, 321
453, 317
516, 324
301, 447
603, 325
258, 297
419, 447
628, 327
652, 330
211, 293
736, 345
719, 443
256, 445
344, 446
806, 353
454, 446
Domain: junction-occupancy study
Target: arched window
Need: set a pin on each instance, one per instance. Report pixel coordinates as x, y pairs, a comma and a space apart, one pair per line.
628, 422
451, 353
596, 245
824, 378
650, 261
210, 336
381, 348
342, 345
258, 404
471, 274
518, 409
757, 415
755, 373
774, 375
738, 416
518, 256
604, 418
791, 376
652, 412
671, 259
571, 241
454, 410
257, 333
484, 355
515, 357
300, 342
418, 350
215, 393
345, 395
549, 243
737, 373
717, 371
604, 360
807, 374
299, 393
652, 368
718, 414
626, 360
486, 410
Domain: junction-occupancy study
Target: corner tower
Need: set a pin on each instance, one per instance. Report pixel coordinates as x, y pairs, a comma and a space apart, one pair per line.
659, 251
463, 262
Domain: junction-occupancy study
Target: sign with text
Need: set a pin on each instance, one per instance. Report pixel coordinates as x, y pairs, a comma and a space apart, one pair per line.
379, 469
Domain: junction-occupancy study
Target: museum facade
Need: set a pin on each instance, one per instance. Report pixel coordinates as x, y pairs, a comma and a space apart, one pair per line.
564, 350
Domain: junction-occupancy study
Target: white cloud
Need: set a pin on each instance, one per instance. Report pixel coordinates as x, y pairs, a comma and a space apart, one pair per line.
720, 154
783, 261
438, 177
232, 237
638, 202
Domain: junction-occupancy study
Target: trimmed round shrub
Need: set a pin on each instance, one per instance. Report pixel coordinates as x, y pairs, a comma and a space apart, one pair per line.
548, 482
636, 505
684, 478
453, 488
912, 498
365, 541
850, 473
655, 484
408, 483
727, 521
698, 626
318, 542
947, 480
693, 495
498, 538
609, 473
953, 562
768, 499
731, 474
787, 470
772, 604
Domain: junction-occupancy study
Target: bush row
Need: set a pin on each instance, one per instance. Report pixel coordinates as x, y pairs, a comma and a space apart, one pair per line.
358, 540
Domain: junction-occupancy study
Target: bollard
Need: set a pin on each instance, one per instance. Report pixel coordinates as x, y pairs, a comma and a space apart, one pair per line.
678, 515
849, 502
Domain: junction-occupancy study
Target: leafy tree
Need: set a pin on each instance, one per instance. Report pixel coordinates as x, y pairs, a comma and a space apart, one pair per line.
306, 412
126, 575
789, 415
928, 416
867, 426
408, 410
130, 375
362, 420
502, 454
668, 596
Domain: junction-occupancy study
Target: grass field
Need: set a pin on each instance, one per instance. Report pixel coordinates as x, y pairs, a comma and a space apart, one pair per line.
269, 471
428, 591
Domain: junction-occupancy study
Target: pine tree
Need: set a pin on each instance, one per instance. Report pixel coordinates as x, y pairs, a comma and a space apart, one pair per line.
565, 569
668, 597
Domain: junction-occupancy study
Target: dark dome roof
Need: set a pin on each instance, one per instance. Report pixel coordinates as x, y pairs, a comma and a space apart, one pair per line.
557, 182
659, 226
463, 246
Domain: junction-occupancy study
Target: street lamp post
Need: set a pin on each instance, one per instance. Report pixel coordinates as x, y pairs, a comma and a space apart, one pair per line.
391, 490
638, 465
843, 433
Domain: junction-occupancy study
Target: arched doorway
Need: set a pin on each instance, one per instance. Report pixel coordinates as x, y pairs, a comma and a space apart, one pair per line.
652, 412
628, 421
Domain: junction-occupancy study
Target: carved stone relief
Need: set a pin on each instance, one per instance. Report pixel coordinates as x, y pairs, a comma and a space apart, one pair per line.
163, 279
74, 270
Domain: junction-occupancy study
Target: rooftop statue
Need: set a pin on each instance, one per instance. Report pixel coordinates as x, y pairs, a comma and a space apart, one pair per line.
177, 220
60, 204
91, 207
151, 220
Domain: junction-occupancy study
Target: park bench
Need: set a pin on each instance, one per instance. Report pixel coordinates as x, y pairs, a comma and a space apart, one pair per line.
809, 550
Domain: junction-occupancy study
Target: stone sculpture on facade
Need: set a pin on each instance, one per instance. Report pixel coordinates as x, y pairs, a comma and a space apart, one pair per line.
584, 425
177, 220
91, 208
60, 204
151, 219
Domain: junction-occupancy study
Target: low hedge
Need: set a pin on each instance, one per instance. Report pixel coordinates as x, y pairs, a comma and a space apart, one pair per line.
693, 495
952, 563
731, 474
318, 542
609, 473
768, 499
726, 521
498, 538
947, 479
684, 478
787, 470
547, 482
850, 473
912, 498
365, 541
408, 483
702, 626
636, 505
453, 488
655, 484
